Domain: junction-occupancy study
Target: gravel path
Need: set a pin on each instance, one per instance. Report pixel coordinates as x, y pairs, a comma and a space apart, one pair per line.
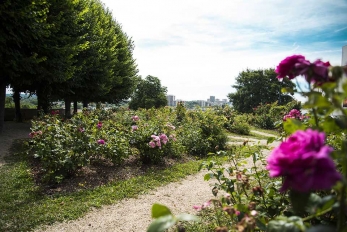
134, 215
12, 131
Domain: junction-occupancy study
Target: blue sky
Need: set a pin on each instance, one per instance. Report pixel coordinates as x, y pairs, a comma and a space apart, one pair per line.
197, 47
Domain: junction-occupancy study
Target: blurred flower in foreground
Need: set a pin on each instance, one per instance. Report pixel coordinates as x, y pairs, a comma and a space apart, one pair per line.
304, 161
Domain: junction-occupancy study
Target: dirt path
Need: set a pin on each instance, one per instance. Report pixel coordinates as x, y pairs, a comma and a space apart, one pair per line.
134, 215
12, 131
262, 133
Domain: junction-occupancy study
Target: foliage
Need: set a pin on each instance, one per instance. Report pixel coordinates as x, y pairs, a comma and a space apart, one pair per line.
26, 103
267, 116
149, 93
180, 112
22, 24
255, 87
240, 125
105, 68
71, 50
202, 132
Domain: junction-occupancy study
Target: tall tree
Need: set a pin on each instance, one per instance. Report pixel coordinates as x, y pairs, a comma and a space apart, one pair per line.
149, 93
106, 68
22, 24
61, 47
125, 70
255, 87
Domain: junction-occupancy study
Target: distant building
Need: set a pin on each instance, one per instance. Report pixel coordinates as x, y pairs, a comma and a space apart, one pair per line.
212, 98
171, 100
344, 55
201, 103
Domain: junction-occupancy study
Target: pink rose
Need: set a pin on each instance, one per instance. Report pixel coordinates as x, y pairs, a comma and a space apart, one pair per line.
135, 118
152, 144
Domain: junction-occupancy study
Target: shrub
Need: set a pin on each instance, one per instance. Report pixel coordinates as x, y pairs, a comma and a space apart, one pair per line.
63, 146
203, 132
266, 116
240, 125
154, 135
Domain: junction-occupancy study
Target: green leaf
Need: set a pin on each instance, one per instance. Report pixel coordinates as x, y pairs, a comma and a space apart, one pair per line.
329, 125
255, 157
287, 90
201, 166
187, 217
241, 208
299, 200
162, 223
159, 210
270, 140
260, 225
292, 125
284, 224
208, 176
326, 203
313, 201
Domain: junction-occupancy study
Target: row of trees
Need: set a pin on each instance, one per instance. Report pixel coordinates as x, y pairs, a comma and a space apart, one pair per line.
64, 50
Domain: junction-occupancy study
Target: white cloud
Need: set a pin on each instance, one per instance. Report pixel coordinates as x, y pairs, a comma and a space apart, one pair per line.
198, 47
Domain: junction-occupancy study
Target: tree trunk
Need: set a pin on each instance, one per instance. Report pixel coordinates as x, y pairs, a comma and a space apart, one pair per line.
42, 101
85, 104
2, 105
67, 108
75, 107
16, 99
98, 105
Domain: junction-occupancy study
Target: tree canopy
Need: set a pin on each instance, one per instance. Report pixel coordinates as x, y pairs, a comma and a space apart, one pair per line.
255, 87
64, 50
149, 93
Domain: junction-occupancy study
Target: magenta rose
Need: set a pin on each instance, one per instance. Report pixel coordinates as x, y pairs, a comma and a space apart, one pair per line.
292, 66
319, 72
304, 161
101, 141
99, 125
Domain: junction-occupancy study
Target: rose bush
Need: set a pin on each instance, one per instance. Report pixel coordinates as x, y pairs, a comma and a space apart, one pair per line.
155, 136
63, 146
202, 132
